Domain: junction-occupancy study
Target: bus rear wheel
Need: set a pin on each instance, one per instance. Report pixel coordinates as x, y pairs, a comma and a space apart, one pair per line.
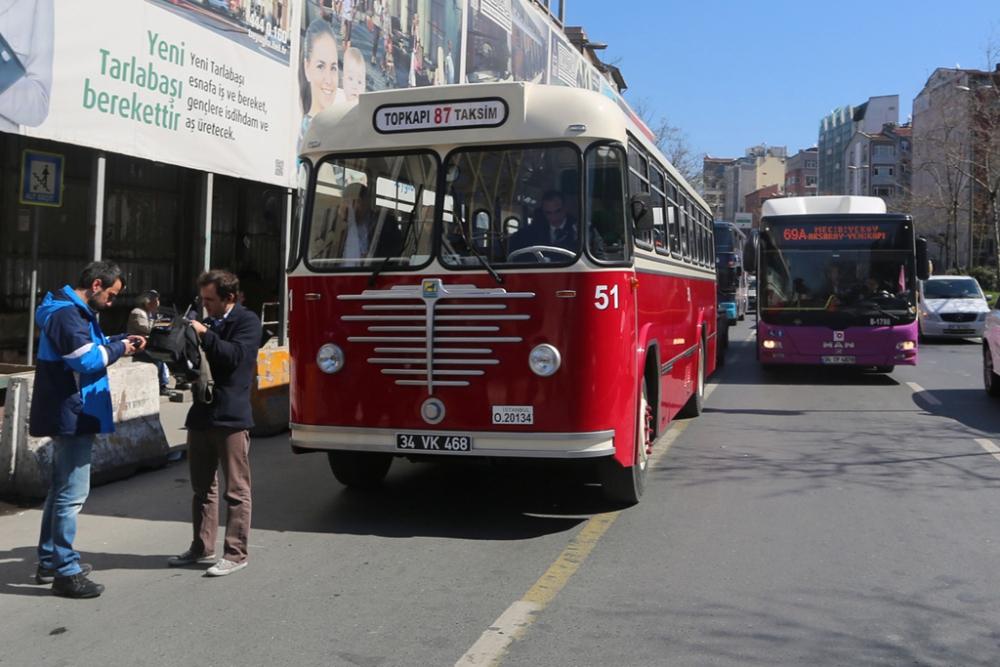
694, 405
359, 470
626, 485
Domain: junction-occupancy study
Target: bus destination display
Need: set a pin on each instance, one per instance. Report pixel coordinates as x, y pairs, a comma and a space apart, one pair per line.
441, 116
836, 234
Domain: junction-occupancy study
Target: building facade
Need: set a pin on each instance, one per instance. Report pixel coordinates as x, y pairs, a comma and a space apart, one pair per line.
836, 131
801, 173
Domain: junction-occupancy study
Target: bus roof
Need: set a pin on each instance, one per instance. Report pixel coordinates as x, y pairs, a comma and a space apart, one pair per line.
823, 204
534, 112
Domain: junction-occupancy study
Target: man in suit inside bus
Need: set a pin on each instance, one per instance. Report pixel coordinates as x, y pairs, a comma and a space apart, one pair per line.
554, 227
361, 224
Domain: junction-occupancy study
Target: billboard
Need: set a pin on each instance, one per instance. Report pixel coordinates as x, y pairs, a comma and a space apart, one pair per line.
229, 86
200, 83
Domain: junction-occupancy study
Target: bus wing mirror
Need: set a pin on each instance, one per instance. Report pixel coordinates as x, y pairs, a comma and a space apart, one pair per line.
750, 251
923, 266
641, 208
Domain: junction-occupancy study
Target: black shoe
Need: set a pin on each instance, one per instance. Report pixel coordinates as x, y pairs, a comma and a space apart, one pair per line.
183, 386
44, 575
165, 391
77, 586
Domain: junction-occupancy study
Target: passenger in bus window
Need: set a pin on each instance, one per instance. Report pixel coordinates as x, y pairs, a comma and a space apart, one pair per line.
359, 226
354, 73
319, 76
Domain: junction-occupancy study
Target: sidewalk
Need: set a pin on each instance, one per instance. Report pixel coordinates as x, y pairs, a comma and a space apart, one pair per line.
172, 416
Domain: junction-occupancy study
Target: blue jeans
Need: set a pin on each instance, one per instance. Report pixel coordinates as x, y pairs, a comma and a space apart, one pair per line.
161, 368
71, 457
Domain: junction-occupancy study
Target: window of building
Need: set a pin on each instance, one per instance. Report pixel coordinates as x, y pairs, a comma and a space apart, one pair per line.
810, 164
882, 191
810, 181
883, 150
884, 171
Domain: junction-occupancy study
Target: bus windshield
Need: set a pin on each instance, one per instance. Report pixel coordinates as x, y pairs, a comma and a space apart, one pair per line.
496, 207
367, 209
519, 205
837, 273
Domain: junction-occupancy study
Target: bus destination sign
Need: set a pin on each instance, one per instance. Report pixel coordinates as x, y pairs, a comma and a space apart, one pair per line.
834, 233
441, 116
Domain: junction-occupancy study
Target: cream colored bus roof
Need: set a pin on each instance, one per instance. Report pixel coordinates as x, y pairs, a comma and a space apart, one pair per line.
823, 204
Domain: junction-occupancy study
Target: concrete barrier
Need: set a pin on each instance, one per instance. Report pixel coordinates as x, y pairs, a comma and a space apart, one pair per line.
138, 442
269, 394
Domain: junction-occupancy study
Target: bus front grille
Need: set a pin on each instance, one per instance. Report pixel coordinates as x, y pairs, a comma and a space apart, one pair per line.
435, 335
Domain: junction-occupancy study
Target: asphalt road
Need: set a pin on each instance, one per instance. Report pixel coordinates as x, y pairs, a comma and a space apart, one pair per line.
806, 518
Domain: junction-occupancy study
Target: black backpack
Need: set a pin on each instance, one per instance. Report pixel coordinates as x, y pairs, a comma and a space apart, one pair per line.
175, 343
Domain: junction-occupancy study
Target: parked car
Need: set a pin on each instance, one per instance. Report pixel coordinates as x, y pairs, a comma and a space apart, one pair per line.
991, 353
951, 307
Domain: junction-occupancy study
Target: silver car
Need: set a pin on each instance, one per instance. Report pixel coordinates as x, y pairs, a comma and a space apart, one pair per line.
951, 307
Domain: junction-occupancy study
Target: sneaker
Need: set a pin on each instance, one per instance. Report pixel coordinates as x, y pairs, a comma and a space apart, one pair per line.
77, 586
165, 391
190, 558
224, 567
44, 575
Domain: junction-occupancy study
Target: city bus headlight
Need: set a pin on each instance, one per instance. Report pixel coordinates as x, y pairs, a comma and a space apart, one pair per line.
906, 345
544, 360
330, 358
771, 344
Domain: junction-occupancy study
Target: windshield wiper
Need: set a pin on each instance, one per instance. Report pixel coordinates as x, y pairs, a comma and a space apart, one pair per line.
402, 242
473, 249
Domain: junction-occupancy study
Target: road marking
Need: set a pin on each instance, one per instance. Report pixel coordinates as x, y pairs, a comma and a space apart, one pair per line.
491, 647
923, 393
990, 447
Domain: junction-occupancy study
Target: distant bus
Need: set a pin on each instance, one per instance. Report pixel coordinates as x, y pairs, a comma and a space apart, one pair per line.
731, 287
498, 270
836, 282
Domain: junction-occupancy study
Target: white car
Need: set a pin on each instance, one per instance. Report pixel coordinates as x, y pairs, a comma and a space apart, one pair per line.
952, 307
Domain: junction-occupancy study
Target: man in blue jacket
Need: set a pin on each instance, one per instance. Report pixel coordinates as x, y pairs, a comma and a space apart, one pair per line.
72, 346
218, 431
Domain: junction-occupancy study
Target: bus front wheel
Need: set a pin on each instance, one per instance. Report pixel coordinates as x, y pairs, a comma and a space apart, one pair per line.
626, 485
359, 470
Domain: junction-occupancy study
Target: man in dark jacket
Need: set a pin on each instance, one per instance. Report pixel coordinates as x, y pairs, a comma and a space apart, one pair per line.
71, 403
218, 432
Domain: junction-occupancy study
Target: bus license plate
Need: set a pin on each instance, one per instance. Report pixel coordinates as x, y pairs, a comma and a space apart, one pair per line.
837, 360
423, 442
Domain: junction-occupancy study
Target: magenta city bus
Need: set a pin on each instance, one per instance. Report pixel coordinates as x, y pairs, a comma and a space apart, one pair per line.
836, 281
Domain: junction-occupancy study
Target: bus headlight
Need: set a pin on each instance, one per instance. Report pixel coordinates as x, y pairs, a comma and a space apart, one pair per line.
906, 345
330, 358
544, 360
771, 344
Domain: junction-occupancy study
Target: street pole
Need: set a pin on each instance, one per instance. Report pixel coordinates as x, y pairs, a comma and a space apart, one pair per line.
36, 222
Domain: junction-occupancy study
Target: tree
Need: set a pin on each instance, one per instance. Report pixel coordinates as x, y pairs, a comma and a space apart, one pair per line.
673, 142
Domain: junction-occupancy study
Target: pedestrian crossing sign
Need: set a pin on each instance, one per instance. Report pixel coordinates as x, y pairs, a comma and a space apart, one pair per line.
41, 179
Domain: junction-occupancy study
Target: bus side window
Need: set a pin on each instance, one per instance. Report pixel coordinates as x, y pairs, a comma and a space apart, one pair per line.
606, 208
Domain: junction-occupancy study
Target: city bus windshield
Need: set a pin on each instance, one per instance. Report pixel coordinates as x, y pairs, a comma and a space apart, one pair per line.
367, 209
849, 273
494, 207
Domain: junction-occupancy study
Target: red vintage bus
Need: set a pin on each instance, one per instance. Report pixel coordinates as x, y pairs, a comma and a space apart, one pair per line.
494, 270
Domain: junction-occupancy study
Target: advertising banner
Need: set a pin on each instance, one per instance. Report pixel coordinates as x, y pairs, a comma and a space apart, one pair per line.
204, 84
229, 86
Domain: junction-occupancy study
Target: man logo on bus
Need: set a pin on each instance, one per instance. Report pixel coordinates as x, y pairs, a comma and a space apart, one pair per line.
838, 336
430, 288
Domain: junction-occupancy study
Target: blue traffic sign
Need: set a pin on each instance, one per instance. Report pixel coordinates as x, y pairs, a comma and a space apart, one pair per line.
41, 179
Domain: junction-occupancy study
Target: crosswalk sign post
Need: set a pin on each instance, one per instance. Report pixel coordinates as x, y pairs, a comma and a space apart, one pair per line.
41, 185
41, 179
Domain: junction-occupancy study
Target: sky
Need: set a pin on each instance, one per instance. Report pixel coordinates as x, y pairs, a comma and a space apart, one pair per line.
733, 74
